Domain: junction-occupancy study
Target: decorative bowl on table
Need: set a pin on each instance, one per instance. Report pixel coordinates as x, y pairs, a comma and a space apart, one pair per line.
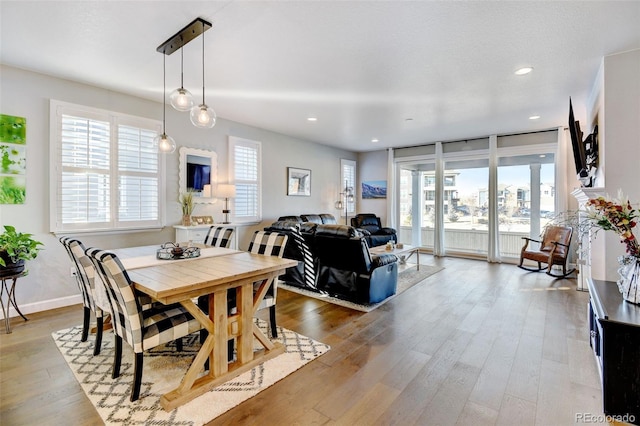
173, 251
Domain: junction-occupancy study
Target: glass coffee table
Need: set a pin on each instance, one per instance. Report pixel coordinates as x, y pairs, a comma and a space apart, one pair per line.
403, 253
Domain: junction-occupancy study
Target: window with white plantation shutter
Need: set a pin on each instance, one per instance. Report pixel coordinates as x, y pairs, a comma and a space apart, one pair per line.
105, 171
138, 174
348, 175
245, 166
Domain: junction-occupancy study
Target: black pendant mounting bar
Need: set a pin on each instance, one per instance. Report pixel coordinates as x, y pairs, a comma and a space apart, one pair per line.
194, 29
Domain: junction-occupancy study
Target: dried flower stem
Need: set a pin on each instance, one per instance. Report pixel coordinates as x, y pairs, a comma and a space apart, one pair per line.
186, 201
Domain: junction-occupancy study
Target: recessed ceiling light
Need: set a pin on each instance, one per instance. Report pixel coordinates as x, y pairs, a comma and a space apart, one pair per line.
534, 117
374, 140
523, 71
312, 119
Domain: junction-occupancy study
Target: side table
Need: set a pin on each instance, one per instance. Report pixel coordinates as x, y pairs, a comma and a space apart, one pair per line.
11, 298
197, 233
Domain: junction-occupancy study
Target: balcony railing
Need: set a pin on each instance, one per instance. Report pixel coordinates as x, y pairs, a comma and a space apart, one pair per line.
470, 241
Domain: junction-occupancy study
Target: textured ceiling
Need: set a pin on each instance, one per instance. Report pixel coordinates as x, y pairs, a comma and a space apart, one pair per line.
363, 68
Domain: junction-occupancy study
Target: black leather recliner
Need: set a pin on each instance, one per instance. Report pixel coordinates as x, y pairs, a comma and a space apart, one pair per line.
297, 219
322, 218
346, 268
370, 226
304, 273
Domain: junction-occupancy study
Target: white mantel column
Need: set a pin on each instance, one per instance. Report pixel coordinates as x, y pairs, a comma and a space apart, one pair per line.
591, 258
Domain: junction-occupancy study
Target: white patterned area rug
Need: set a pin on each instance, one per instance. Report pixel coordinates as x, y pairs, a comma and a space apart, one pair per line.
406, 279
163, 369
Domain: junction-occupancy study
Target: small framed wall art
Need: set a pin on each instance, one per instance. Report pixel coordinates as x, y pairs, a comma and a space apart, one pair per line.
298, 182
373, 189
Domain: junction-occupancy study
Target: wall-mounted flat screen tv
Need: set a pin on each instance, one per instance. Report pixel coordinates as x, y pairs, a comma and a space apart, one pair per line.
579, 155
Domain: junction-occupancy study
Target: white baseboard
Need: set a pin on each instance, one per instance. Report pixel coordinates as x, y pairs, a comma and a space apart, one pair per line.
45, 305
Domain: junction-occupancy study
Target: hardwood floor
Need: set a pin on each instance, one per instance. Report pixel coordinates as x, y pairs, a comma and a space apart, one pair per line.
475, 344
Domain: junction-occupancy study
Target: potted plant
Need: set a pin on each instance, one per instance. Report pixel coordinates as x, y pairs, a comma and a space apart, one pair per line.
186, 201
15, 248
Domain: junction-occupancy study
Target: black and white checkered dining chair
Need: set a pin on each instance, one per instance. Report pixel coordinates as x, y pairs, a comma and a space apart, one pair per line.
269, 244
141, 329
219, 236
85, 277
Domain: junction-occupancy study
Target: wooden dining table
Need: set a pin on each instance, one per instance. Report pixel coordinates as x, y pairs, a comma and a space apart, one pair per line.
180, 281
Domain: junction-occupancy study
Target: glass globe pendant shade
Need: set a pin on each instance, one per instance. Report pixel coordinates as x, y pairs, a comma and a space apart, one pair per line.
202, 116
165, 143
181, 99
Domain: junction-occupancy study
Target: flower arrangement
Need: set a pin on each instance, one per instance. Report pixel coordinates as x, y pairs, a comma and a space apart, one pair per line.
617, 215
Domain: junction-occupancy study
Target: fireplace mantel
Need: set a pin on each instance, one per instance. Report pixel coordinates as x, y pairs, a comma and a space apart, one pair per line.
586, 248
584, 194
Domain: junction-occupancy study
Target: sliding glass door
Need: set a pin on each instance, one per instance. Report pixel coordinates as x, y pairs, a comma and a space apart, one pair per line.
526, 199
477, 197
465, 206
416, 206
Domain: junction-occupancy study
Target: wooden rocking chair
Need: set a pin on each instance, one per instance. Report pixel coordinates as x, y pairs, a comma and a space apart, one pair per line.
554, 249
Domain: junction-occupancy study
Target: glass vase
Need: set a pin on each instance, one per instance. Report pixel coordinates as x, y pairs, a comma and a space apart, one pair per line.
629, 282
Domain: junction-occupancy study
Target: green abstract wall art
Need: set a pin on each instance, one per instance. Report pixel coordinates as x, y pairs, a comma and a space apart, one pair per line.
13, 159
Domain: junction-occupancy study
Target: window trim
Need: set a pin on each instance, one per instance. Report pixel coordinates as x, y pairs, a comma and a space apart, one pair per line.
114, 226
257, 145
351, 207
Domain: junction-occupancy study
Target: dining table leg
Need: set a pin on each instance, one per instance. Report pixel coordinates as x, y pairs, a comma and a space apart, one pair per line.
221, 326
245, 333
219, 358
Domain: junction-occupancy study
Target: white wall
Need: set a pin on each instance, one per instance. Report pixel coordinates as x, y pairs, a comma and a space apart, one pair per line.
620, 140
372, 166
27, 94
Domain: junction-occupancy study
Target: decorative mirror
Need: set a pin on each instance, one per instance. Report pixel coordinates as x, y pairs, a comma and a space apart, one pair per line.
199, 173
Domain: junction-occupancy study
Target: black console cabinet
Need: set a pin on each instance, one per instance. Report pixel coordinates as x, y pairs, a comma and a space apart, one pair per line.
615, 338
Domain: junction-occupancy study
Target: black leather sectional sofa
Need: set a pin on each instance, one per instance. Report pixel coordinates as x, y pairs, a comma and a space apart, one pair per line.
319, 219
367, 224
335, 259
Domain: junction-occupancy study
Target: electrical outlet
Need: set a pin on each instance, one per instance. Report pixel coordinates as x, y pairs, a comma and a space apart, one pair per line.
72, 271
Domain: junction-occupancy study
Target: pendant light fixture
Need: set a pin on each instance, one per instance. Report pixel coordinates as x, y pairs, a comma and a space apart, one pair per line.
202, 116
164, 142
181, 99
